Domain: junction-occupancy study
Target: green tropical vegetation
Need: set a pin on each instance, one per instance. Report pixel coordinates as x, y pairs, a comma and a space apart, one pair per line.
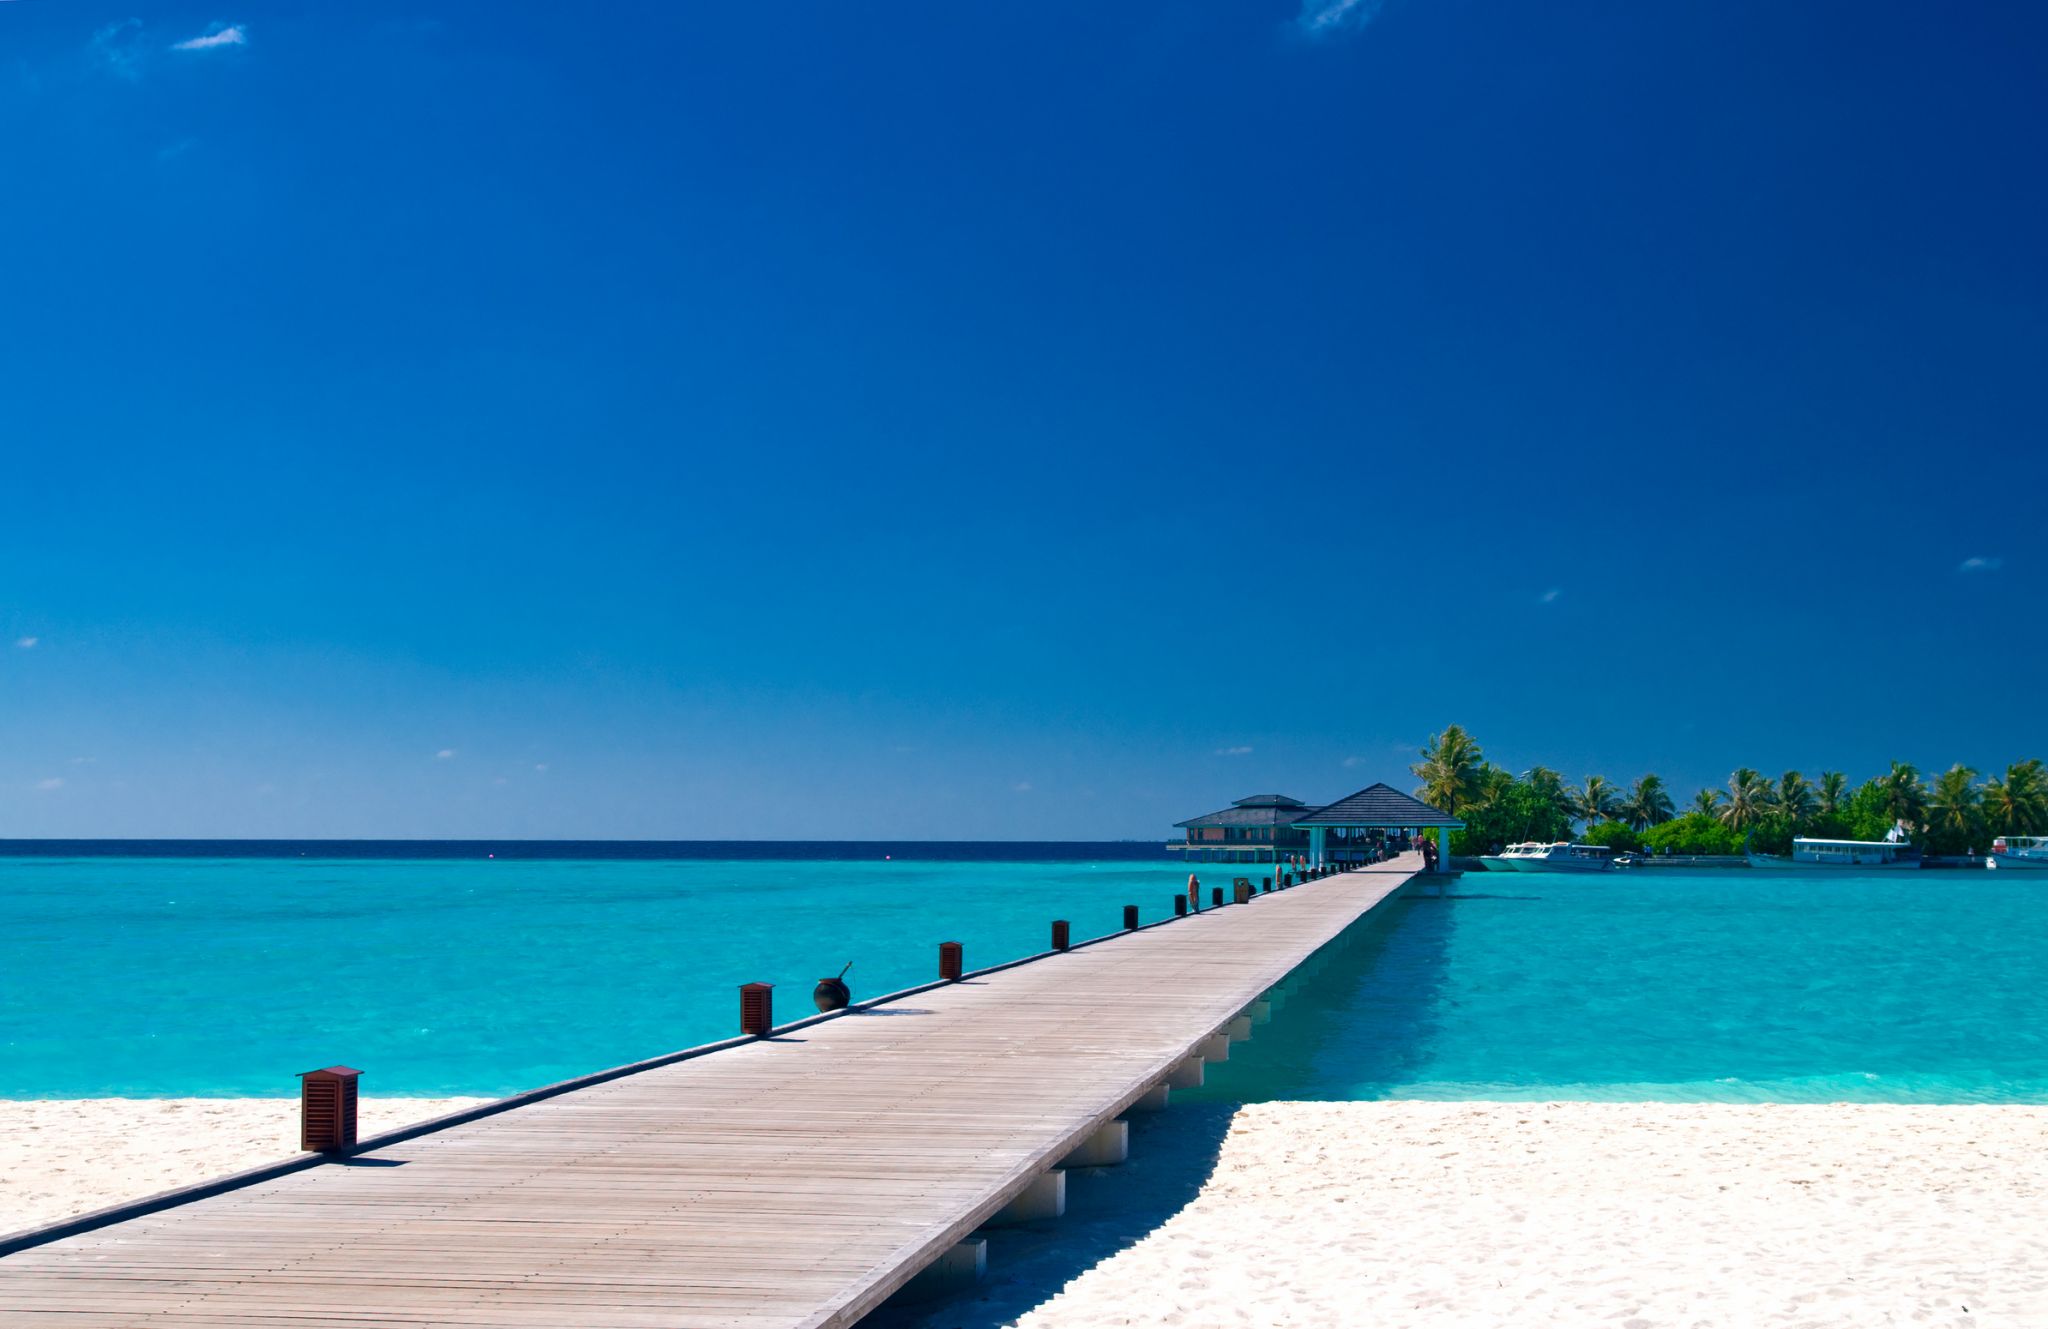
1953, 813
1648, 803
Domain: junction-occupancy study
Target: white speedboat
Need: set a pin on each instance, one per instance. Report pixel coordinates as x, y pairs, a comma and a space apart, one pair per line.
1894, 851
2018, 851
1565, 856
1515, 858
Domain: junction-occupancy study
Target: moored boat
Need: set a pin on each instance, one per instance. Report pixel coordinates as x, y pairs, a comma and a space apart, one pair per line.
1515, 858
1567, 856
2027, 852
1894, 851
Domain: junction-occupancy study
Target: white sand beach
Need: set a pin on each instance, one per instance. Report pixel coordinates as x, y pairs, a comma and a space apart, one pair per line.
60, 1157
1636, 1215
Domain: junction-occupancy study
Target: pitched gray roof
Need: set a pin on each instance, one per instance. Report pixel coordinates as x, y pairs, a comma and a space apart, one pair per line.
1258, 810
1378, 805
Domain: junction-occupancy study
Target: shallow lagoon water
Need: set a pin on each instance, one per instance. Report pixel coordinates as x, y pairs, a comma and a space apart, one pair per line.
139, 976
1738, 986
130, 976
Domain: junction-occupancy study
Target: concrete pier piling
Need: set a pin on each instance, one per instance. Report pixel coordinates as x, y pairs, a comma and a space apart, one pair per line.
1042, 1201
1109, 1145
957, 1269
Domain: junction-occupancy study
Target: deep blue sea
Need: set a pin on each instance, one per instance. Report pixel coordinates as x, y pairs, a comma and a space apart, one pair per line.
198, 970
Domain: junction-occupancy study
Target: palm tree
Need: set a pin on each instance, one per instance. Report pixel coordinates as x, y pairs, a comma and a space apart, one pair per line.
1596, 800
1952, 811
1647, 803
1551, 785
1833, 784
1747, 800
2018, 804
1905, 798
1450, 771
1796, 798
1706, 803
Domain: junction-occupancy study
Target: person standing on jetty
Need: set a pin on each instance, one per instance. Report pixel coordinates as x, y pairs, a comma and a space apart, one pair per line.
1428, 853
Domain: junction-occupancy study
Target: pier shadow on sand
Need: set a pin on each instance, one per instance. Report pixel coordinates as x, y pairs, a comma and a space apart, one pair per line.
1352, 1024
1173, 1154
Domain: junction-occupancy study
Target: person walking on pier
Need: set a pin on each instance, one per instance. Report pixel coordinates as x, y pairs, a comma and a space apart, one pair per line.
1428, 853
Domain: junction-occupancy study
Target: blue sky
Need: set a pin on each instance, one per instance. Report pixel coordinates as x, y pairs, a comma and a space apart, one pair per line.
820, 420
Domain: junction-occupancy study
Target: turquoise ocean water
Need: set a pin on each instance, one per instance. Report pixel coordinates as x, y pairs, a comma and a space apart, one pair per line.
1743, 986
226, 976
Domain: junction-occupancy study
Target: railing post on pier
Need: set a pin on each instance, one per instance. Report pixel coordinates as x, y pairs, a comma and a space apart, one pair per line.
757, 1009
1130, 918
1242, 890
1265, 885
1059, 934
327, 1109
1216, 896
1180, 906
949, 961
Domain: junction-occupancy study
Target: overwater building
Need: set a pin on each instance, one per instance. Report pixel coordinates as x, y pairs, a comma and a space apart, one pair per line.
1271, 828
1259, 829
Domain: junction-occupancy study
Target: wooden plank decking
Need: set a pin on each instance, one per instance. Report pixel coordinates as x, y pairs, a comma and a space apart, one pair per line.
795, 1181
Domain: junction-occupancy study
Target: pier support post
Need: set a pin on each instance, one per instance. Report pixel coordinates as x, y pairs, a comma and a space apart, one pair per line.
1216, 1047
327, 1109
757, 1008
1259, 1011
1238, 1030
958, 1268
1154, 1099
1109, 1145
1043, 1200
1187, 1075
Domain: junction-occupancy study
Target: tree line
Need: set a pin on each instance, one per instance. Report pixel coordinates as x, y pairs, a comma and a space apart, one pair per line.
1953, 813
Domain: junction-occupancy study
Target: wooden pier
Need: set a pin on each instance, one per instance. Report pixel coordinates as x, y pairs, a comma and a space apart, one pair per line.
795, 1180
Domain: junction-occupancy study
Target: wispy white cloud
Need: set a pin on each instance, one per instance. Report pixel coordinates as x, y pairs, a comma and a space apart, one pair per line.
1980, 564
27, 643
1549, 597
172, 151
1022, 786
118, 49
1350, 762
1322, 18
216, 37
53, 782
1233, 752
541, 767
445, 754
